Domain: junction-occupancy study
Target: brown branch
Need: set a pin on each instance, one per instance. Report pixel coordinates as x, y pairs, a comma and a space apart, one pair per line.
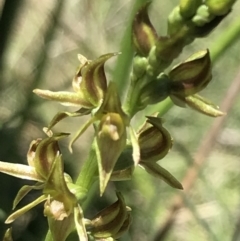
200, 157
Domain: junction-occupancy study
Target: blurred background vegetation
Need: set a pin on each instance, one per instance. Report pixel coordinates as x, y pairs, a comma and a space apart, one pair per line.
39, 43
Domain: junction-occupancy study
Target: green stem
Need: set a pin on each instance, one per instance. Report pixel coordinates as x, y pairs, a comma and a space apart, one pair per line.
88, 173
131, 100
48, 236
124, 61
231, 34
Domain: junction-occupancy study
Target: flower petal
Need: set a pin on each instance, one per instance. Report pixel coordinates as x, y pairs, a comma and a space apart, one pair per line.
158, 171
192, 75
111, 140
64, 97
79, 223
144, 35
23, 192
62, 115
26, 208
199, 104
20, 171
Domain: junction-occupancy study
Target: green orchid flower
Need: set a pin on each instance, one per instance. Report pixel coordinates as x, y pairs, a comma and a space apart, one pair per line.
45, 166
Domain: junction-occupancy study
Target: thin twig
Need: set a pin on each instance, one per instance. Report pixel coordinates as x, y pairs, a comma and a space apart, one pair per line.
200, 157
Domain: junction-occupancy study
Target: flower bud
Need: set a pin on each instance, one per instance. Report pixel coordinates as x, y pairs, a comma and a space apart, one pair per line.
92, 80
112, 220
139, 67
199, 31
175, 21
188, 8
219, 7
154, 140
144, 34
192, 75
202, 16
89, 83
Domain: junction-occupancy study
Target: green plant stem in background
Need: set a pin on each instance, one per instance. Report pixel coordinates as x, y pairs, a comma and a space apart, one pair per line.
231, 34
88, 173
121, 72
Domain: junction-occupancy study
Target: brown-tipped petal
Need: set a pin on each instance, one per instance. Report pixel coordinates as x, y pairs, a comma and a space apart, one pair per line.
46, 152
78, 76
154, 140
199, 104
192, 75
31, 151
159, 172
65, 98
111, 140
144, 35
94, 84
